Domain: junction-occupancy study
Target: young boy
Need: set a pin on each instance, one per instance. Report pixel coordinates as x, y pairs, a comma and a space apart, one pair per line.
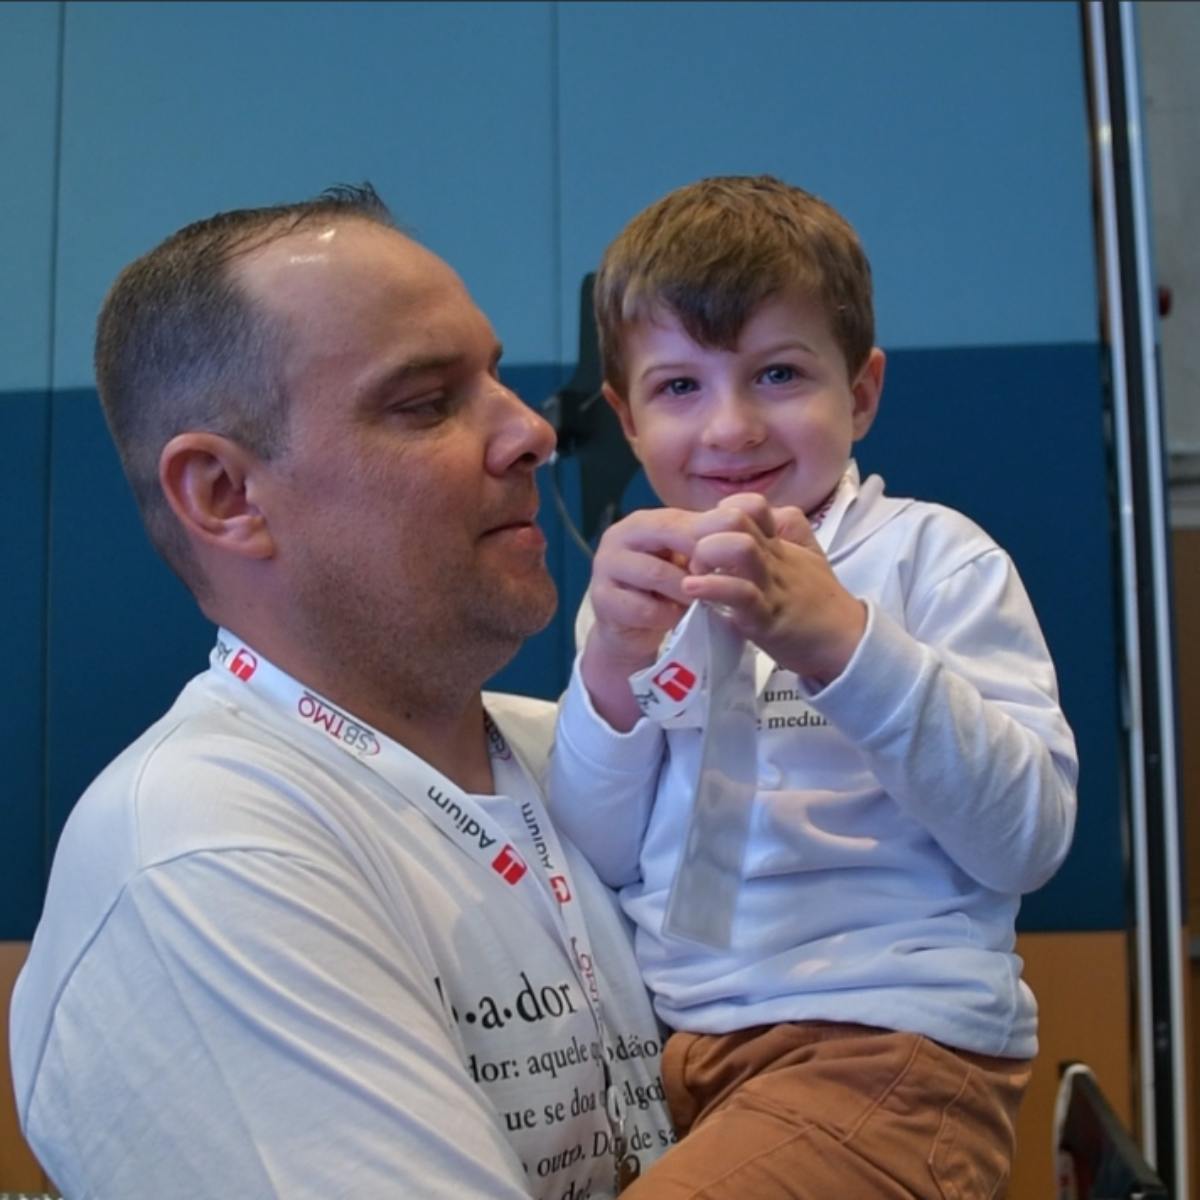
866, 1033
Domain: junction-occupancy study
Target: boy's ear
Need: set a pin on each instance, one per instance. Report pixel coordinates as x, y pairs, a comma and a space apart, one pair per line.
866, 390
205, 478
620, 406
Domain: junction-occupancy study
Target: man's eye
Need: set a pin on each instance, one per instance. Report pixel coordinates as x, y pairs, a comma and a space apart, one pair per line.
779, 373
424, 408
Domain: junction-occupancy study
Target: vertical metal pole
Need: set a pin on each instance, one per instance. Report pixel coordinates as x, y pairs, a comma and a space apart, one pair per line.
1149, 678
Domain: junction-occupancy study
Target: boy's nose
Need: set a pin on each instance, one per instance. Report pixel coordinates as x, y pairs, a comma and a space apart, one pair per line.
734, 422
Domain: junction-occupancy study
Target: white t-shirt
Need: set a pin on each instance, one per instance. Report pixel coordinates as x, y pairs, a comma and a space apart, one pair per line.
261, 971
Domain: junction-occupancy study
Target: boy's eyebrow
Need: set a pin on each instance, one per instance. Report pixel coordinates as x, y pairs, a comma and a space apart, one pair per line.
764, 352
654, 367
786, 344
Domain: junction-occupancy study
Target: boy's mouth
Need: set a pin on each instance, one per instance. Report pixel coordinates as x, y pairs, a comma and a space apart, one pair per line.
742, 480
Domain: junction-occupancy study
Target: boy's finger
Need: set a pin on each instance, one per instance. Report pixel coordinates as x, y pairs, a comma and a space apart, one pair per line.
643, 572
755, 506
664, 531
793, 526
740, 596
734, 553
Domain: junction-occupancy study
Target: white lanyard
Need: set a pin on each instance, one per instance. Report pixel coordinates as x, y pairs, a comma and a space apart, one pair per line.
459, 817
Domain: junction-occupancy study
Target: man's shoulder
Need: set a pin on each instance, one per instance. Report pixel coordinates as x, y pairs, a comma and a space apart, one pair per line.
527, 722
205, 776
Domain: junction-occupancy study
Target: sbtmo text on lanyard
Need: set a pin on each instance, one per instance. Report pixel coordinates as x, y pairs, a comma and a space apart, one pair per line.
456, 815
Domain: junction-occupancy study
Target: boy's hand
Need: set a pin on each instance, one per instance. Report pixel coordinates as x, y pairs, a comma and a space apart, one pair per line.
637, 595
780, 592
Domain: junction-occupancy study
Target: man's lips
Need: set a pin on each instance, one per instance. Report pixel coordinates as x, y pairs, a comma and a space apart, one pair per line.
523, 528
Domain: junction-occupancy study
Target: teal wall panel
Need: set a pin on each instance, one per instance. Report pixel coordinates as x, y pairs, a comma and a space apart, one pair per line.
952, 135
174, 111
29, 75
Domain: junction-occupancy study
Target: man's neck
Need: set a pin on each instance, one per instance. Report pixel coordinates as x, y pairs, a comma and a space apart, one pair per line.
442, 726
449, 736
454, 743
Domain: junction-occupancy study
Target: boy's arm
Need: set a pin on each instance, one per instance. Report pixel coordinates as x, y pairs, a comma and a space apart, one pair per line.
601, 782
604, 767
957, 714
960, 722
603, 770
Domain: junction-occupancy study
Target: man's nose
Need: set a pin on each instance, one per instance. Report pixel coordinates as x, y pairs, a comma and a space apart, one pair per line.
522, 436
733, 420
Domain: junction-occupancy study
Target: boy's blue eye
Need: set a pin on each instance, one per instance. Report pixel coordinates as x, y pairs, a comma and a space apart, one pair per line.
678, 387
779, 373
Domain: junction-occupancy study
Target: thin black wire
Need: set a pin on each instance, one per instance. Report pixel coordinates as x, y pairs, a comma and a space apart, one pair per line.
561, 505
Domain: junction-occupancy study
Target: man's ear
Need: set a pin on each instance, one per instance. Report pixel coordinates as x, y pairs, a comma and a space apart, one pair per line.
620, 406
204, 477
866, 390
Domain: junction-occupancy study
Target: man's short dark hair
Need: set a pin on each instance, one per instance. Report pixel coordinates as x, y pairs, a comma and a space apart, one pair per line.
180, 346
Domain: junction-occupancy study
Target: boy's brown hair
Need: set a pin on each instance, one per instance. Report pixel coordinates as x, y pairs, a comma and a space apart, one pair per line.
713, 251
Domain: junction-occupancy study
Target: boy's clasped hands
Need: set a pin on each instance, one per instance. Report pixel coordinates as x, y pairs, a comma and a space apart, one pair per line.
762, 565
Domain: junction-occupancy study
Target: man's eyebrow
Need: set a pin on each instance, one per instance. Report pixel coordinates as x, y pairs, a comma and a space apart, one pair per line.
390, 379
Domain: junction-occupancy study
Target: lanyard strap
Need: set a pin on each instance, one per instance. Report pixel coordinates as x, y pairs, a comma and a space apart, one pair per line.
454, 813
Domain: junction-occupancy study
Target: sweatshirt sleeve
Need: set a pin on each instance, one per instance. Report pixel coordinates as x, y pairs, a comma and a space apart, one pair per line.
601, 784
959, 719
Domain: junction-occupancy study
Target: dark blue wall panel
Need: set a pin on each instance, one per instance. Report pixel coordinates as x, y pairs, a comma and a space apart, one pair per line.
1025, 458
1014, 437
23, 554
124, 635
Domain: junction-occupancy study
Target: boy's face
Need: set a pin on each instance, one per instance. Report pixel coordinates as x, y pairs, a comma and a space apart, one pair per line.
777, 414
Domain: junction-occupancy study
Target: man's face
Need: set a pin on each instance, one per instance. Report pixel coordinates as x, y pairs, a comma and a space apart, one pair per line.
402, 506
777, 414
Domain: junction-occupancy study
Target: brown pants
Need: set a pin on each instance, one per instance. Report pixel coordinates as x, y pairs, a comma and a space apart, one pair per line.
820, 1111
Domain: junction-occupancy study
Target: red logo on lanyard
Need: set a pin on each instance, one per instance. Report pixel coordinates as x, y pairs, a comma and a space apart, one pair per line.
509, 865
561, 889
244, 664
676, 680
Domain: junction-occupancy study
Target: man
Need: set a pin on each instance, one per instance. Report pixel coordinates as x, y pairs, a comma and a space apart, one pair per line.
312, 934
